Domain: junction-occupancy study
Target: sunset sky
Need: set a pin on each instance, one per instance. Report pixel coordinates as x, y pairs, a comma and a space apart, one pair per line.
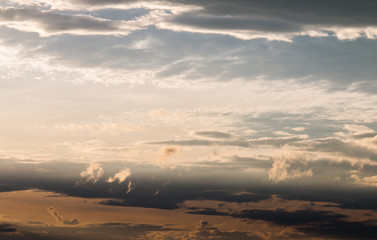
188, 119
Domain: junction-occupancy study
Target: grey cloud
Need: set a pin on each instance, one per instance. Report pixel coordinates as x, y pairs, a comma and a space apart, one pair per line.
364, 135
278, 142
256, 19
280, 216
198, 19
7, 228
214, 134
340, 64
206, 230
310, 222
53, 22
197, 183
334, 145
237, 162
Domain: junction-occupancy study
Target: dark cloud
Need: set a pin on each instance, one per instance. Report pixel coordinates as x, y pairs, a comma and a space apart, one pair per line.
7, 228
224, 13
154, 187
342, 230
214, 134
311, 222
175, 196
279, 216
202, 20
206, 230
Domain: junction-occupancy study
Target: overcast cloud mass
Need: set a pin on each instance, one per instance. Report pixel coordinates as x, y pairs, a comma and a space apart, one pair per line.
188, 119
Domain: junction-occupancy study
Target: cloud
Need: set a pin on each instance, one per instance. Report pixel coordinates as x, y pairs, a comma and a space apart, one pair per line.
59, 218
7, 228
93, 173
47, 22
205, 230
129, 187
369, 181
213, 134
279, 20
165, 153
309, 223
120, 176
273, 20
277, 142
280, 170
338, 146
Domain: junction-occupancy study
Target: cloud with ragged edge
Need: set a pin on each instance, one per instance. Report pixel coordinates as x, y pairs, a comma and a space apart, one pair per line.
121, 177
59, 218
49, 22
281, 171
93, 173
273, 20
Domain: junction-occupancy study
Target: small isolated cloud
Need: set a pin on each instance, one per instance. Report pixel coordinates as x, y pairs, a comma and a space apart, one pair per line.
280, 170
120, 176
59, 218
93, 173
165, 153
129, 187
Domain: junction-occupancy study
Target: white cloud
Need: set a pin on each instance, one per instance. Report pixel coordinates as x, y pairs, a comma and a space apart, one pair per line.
93, 173
120, 176
129, 187
281, 171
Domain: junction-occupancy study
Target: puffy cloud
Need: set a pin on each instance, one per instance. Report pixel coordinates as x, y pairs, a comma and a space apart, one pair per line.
281, 169
121, 176
93, 173
59, 218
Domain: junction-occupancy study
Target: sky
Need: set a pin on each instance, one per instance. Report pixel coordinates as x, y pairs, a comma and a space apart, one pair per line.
188, 119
